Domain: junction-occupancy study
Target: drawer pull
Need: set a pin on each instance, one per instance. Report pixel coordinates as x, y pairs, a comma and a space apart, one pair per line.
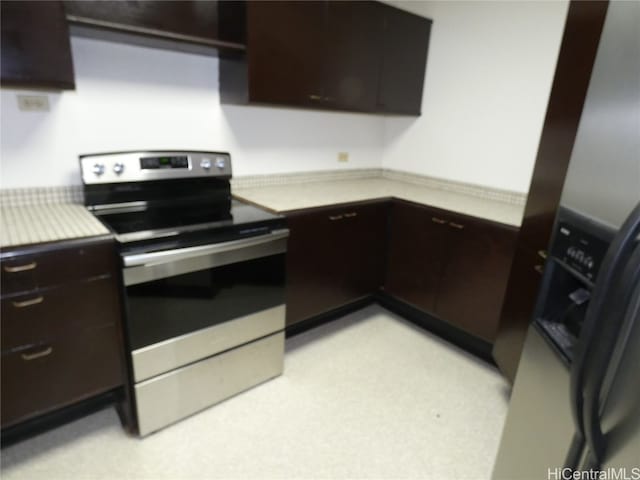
41, 353
542, 254
20, 268
456, 225
315, 97
438, 220
28, 303
351, 214
538, 268
333, 218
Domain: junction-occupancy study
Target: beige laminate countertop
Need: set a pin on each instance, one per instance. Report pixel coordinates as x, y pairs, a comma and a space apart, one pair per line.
287, 197
31, 224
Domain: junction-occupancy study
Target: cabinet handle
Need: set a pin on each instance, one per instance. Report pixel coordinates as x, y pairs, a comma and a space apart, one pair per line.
315, 97
20, 268
538, 268
335, 217
41, 353
351, 214
438, 220
456, 225
542, 254
329, 99
28, 303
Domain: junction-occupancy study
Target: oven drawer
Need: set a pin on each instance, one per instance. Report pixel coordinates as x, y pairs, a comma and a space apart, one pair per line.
179, 351
168, 398
43, 315
54, 375
23, 273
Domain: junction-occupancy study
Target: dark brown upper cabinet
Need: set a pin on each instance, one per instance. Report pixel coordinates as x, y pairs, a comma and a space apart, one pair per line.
187, 25
357, 56
36, 52
281, 70
405, 44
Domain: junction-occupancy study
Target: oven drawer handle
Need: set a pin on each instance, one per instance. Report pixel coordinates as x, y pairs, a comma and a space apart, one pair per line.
167, 256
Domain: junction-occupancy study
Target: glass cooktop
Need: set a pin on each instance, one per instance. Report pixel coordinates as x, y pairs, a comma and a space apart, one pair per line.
142, 224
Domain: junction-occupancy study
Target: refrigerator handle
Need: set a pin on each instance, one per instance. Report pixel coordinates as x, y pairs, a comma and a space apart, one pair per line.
613, 264
621, 314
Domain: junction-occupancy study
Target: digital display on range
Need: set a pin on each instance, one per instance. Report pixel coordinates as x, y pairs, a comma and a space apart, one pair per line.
164, 162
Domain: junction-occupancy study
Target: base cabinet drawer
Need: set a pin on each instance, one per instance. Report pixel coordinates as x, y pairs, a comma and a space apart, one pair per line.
43, 378
30, 271
50, 314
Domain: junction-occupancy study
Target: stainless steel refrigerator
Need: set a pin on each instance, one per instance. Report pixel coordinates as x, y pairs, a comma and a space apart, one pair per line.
575, 403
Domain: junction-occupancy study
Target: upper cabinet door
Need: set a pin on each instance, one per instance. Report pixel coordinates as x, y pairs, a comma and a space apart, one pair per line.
36, 52
285, 50
359, 56
405, 44
191, 20
352, 59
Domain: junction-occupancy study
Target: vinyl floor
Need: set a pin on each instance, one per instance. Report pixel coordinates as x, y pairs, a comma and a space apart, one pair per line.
366, 396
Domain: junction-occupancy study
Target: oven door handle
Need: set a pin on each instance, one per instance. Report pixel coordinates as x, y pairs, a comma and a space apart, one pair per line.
145, 267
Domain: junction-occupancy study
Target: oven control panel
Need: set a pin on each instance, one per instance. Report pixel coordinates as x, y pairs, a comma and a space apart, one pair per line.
153, 165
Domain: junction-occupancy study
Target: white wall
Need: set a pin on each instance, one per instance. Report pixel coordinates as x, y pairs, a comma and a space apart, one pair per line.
487, 85
130, 97
489, 73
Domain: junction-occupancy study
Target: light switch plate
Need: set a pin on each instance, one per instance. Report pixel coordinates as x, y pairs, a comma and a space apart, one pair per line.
343, 156
33, 103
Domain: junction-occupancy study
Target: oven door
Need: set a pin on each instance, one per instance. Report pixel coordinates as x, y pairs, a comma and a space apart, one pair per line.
188, 304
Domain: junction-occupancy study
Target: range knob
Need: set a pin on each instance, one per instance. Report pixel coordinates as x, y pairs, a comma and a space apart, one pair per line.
98, 169
220, 163
118, 168
205, 163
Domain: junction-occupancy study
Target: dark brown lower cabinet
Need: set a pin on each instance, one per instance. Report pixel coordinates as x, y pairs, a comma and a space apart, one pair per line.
54, 374
415, 255
474, 280
520, 300
61, 327
335, 256
452, 266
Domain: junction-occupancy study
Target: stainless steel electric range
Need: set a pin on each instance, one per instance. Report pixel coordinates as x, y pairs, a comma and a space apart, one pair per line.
203, 275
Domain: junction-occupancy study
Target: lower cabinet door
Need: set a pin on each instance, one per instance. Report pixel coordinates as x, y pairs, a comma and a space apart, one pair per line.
42, 378
52, 313
519, 301
416, 254
474, 281
335, 256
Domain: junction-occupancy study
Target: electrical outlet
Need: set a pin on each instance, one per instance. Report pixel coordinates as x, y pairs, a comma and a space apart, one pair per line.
343, 156
33, 103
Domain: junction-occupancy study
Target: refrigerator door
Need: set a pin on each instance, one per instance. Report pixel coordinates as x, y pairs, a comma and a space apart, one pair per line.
538, 429
603, 180
613, 432
621, 416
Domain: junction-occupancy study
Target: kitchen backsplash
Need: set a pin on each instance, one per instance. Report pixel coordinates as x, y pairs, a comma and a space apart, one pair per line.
73, 193
505, 196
